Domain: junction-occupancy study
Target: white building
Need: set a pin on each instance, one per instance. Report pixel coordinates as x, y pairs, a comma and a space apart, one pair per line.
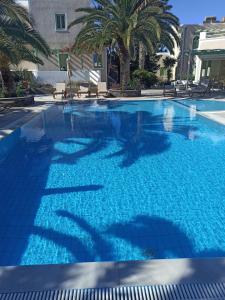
202, 51
51, 19
210, 58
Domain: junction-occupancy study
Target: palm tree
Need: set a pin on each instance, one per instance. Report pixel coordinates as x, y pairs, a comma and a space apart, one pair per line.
123, 25
19, 41
169, 63
167, 8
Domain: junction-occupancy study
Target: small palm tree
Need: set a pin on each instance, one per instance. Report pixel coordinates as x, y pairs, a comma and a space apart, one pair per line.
123, 25
169, 63
19, 41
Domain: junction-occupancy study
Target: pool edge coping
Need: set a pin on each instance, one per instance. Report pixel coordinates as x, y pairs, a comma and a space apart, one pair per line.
12, 126
111, 274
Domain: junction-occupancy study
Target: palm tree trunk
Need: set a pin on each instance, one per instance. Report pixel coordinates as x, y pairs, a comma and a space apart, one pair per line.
124, 71
124, 57
141, 56
8, 81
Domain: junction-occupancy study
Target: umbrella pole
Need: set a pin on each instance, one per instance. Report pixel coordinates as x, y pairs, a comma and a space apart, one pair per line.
70, 87
69, 75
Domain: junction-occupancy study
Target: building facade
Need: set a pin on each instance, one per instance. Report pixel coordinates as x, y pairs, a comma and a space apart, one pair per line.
51, 19
202, 52
210, 56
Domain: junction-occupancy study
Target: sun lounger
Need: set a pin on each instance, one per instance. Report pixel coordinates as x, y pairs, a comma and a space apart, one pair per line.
73, 90
181, 89
60, 90
83, 90
201, 89
169, 90
93, 90
102, 88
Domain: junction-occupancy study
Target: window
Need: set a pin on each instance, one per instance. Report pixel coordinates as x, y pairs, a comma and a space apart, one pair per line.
63, 61
195, 42
97, 61
60, 22
162, 72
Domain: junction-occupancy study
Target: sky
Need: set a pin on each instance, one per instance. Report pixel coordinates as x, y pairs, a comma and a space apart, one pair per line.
23, 2
194, 11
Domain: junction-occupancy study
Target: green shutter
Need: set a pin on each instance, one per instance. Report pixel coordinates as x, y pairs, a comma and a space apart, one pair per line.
63, 61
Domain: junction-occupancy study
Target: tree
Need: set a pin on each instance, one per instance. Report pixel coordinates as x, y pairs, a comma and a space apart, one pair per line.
123, 25
19, 41
167, 9
169, 63
152, 63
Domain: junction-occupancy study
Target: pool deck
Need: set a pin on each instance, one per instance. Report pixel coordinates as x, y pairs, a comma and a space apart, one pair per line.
217, 116
112, 274
15, 117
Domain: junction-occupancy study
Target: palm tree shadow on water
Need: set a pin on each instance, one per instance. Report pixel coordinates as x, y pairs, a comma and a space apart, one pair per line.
140, 134
101, 249
24, 173
137, 134
155, 238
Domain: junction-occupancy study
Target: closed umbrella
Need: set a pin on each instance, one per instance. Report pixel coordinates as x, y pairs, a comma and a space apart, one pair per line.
69, 73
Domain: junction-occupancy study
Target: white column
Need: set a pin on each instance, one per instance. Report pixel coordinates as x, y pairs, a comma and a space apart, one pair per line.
198, 68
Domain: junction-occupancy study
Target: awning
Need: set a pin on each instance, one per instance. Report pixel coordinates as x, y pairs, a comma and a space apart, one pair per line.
217, 52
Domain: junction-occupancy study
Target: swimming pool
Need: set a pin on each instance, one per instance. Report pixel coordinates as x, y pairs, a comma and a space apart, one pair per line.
118, 181
204, 105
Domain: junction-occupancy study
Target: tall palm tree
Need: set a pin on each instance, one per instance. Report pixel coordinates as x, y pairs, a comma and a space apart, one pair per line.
18, 41
124, 24
167, 9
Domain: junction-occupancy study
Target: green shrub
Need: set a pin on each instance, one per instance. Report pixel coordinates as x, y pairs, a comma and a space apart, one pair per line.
41, 88
134, 84
20, 92
146, 78
24, 75
2, 92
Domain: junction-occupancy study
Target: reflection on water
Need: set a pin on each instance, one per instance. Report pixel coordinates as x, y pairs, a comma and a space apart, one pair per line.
191, 135
115, 184
169, 114
34, 130
193, 112
115, 121
34, 136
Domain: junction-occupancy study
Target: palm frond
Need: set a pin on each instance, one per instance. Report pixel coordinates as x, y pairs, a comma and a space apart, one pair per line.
17, 32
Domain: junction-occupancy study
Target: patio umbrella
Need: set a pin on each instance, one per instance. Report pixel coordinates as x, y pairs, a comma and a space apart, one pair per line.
69, 72
69, 68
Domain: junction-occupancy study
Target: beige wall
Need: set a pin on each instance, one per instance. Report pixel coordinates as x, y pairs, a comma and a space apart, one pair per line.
161, 66
43, 14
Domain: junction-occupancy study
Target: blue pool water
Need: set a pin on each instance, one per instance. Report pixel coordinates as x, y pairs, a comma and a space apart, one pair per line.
117, 181
204, 105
